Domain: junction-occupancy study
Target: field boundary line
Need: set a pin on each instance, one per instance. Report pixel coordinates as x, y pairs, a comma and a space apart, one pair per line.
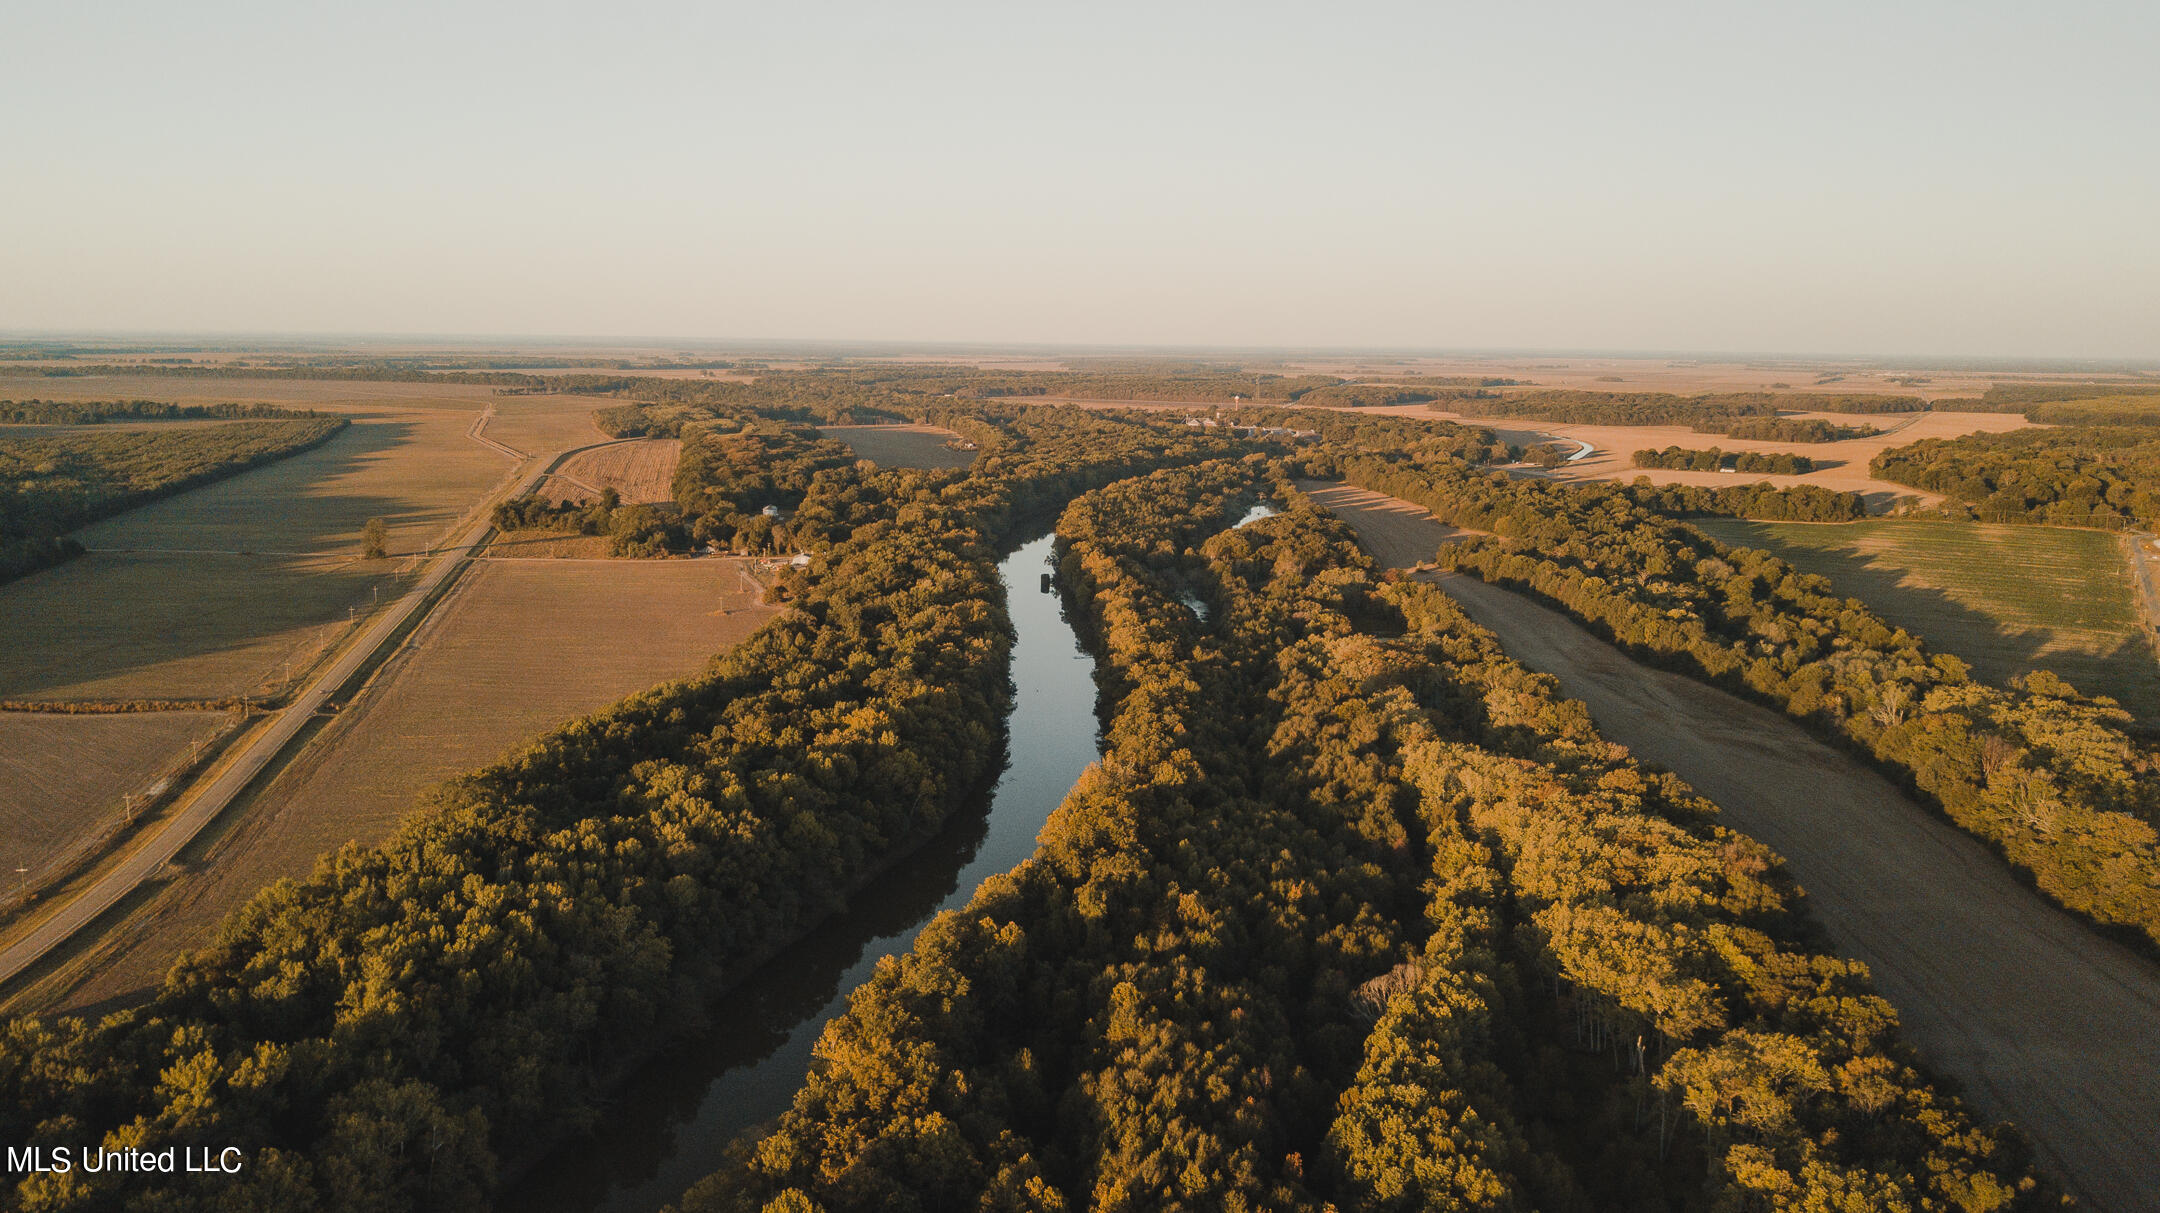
207, 799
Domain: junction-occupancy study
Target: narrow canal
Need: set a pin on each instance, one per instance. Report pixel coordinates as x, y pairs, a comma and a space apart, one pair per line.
669, 1126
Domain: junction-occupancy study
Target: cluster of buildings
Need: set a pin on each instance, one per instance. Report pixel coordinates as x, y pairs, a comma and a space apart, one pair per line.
1283, 432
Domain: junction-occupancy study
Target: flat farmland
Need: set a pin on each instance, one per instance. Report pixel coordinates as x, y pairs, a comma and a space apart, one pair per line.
2008, 599
210, 593
906, 446
62, 778
1392, 531
642, 472
519, 647
543, 424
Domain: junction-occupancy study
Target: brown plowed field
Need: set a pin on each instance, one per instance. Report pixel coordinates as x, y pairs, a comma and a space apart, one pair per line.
905, 446
642, 472
1392, 531
519, 648
62, 777
2039, 1020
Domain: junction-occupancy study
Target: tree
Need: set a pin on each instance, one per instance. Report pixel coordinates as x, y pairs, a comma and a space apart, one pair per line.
375, 539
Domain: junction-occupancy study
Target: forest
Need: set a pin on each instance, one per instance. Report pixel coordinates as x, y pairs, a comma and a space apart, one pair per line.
94, 412
2074, 476
51, 484
380, 1034
1714, 460
1356, 913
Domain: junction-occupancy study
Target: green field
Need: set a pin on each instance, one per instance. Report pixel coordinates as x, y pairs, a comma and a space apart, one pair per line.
2008, 599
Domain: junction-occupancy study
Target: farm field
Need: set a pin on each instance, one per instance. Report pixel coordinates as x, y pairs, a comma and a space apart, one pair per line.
1392, 531
2008, 599
519, 647
642, 472
542, 424
209, 593
62, 778
907, 446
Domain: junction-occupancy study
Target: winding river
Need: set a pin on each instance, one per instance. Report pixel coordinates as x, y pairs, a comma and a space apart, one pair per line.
670, 1125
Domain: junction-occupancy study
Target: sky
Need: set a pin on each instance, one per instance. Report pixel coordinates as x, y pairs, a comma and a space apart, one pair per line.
1883, 178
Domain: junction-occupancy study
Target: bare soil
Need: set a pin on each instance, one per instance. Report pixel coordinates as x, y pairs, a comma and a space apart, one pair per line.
1392, 531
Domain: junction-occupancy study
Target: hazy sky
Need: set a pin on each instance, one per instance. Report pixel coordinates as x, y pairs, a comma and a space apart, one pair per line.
1885, 177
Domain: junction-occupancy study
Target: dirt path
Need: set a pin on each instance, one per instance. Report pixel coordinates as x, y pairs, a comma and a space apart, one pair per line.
2042, 1022
2144, 552
1394, 532
478, 433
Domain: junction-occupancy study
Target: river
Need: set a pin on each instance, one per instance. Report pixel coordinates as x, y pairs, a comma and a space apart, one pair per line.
669, 1126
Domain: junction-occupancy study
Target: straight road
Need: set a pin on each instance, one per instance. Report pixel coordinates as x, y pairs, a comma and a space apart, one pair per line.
207, 800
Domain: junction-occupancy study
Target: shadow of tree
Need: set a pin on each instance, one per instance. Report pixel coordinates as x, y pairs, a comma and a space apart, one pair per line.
194, 586
2125, 670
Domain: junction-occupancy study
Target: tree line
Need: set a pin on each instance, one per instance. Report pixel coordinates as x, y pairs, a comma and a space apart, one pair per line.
94, 412
1783, 463
51, 484
2074, 476
1710, 413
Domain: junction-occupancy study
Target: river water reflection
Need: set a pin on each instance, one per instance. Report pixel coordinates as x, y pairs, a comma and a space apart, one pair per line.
670, 1125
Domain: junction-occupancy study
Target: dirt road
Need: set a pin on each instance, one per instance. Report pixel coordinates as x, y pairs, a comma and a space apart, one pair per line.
2041, 1021
1394, 532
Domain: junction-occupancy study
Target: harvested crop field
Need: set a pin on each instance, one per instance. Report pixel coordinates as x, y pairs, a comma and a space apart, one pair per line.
906, 446
207, 594
642, 472
2007, 599
520, 647
2042, 1022
62, 778
1392, 531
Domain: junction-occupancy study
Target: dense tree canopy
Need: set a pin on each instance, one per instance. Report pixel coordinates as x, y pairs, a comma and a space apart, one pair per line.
2075, 476
1714, 460
1344, 921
